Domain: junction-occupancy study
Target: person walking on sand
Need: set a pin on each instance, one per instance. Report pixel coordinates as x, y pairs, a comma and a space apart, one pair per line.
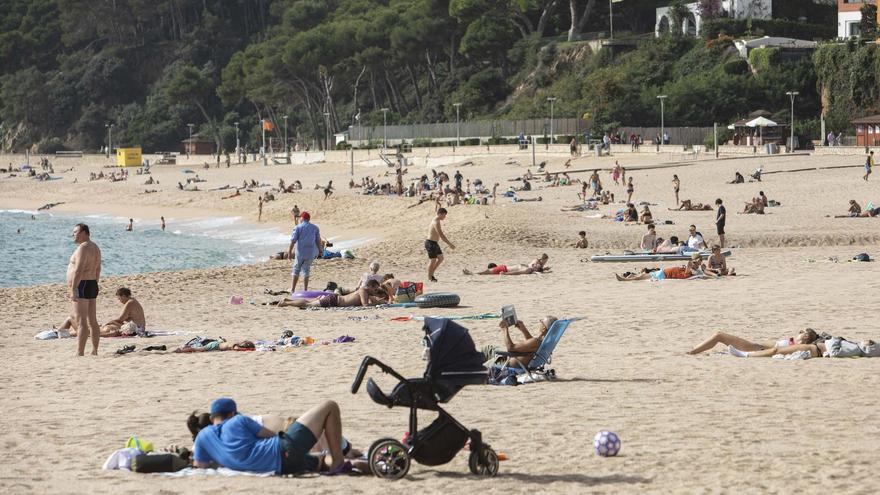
295, 212
306, 237
869, 163
432, 243
494, 193
328, 190
83, 274
629, 190
676, 186
720, 219
260, 209
162, 219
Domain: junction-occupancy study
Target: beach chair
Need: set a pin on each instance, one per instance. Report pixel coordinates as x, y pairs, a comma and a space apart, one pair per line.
543, 355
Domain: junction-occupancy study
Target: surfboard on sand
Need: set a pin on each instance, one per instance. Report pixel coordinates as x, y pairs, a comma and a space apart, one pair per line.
645, 256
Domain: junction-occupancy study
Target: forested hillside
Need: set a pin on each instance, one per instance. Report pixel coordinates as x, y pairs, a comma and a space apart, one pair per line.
69, 68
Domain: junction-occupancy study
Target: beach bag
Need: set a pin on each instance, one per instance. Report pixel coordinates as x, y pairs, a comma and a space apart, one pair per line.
862, 257
158, 463
408, 291
136, 443
840, 348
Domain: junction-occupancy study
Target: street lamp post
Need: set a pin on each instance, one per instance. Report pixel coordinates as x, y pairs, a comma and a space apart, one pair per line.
457, 125
285, 135
611, 17
109, 138
189, 145
551, 99
384, 127
792, 95
662, 99
237, 144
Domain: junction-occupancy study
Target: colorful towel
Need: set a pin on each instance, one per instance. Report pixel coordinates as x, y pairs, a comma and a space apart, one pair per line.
481, 316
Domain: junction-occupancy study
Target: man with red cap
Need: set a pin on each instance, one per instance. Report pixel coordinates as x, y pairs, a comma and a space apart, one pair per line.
306, 238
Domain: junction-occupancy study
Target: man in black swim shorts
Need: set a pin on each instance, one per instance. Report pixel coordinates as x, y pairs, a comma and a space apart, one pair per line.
720, 219
83, 274
432, 243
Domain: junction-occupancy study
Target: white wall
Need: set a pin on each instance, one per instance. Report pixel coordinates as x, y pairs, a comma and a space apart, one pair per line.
664, 12
844, 19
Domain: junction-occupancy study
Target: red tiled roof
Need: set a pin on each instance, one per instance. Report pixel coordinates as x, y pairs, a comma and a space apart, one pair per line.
873, 119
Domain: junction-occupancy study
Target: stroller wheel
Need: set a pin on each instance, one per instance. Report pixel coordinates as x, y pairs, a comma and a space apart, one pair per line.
388, 459
490, 468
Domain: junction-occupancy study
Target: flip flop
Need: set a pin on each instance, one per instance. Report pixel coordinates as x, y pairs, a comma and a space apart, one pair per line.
126, 349
156, 348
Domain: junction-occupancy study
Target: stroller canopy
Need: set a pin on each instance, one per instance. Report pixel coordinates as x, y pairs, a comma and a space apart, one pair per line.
451, 349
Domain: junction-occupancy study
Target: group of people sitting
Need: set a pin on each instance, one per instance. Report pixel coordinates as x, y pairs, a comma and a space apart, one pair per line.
715, 266
289, 188
114, 176
855, 210
131, 322
757, 204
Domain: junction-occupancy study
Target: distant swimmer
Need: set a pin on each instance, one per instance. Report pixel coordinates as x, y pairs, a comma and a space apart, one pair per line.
162, 219
83, 274
432, 243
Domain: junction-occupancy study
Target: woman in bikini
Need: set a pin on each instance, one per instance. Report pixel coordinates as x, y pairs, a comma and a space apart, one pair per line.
805, 337
646, 217
629, 189
717, 265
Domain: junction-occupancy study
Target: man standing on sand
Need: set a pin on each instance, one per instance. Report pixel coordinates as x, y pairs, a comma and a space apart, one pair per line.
307, 239
83, 273
295, 212
162, 219
260, 210
720, 218
869, 163
432, 243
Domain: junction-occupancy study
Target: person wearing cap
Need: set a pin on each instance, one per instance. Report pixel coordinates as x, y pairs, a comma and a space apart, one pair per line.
238, 442
529, 345
306, 238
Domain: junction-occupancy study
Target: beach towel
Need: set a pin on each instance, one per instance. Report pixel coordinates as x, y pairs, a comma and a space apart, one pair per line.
481, 316
216, 472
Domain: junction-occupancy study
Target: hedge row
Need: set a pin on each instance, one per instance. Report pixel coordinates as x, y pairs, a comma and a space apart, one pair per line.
712, 28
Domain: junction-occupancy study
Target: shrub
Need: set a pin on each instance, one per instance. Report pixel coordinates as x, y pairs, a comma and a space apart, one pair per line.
47, 146
770, 27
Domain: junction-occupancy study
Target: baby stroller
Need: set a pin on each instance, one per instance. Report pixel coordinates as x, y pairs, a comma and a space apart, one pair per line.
453, 363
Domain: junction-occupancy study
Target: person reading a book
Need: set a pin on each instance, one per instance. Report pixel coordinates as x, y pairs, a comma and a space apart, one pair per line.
529, 345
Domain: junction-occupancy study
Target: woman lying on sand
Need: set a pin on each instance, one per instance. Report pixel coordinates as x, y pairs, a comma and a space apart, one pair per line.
538, 265
688, 205
370, 295
804, 337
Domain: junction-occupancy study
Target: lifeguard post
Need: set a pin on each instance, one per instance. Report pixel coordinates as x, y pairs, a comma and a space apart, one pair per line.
128, 157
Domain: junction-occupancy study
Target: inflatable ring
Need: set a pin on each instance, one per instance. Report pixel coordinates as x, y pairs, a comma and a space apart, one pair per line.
308, 294
437, 300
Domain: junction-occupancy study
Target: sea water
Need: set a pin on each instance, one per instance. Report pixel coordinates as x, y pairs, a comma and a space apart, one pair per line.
35, 246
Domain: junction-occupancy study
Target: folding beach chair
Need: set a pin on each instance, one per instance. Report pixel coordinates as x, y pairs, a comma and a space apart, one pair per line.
543, 355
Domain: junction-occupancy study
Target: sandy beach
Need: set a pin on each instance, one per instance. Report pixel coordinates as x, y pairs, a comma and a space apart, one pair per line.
688, 424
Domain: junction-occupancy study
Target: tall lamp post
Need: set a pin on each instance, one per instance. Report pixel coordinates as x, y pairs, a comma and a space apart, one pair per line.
662, 99
551, 99
457, 125
285, 134
384, 127
327, 130
109, 138
792, 95
189, 145
237, 145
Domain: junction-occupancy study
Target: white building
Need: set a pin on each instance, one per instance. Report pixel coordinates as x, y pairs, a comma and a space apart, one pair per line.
736, 9
849, 16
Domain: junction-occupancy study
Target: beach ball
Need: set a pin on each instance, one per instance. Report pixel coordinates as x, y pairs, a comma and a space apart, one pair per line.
606, 443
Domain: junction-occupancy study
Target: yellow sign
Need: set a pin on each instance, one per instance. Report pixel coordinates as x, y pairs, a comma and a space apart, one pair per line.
128, 157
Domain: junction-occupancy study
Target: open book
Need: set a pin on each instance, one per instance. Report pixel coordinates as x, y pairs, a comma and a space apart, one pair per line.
508, 315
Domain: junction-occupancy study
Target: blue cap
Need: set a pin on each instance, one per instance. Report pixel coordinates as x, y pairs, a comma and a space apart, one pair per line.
223, 406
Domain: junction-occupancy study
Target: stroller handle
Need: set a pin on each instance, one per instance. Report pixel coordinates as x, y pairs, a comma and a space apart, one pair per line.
362, 371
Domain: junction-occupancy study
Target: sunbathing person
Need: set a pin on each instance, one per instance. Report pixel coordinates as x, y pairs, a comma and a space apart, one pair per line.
371, 295
694, 267
717, 264
688, 205
855, 210
529, 345
132, 311
495, 269
646, 216
805, 336
738, 178
755, 206
630, 214
373, 274
390, 285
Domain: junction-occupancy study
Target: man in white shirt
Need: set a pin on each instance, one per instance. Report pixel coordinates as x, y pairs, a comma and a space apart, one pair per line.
695, 240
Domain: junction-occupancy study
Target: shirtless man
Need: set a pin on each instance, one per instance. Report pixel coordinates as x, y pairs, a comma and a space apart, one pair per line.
649, 239
83, 274
432, 243
132, 311
370, 295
